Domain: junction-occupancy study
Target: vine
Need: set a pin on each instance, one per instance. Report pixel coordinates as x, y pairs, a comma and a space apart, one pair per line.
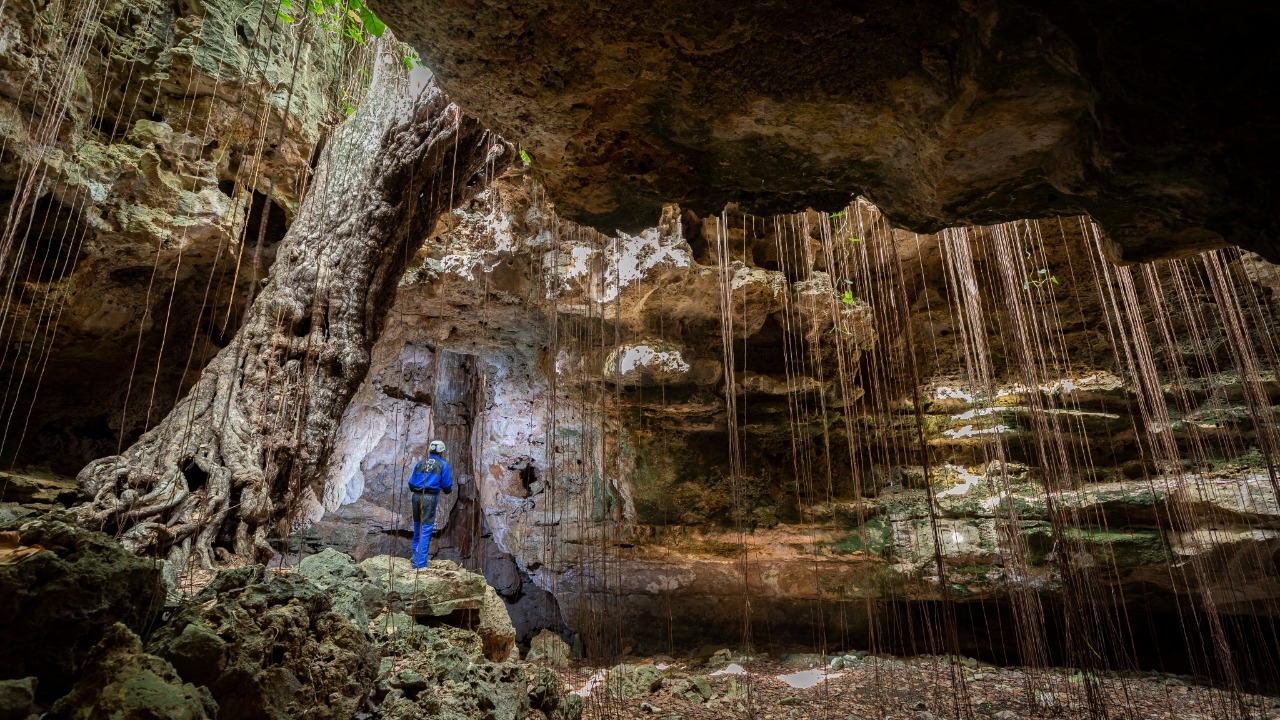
352, 24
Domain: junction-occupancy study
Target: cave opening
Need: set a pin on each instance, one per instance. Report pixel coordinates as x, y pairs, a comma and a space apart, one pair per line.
1007, 418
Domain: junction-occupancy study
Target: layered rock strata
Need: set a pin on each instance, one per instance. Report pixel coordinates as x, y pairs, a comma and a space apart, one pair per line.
593, 431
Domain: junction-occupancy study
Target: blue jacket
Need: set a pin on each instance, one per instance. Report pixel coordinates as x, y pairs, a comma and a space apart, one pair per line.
432, 475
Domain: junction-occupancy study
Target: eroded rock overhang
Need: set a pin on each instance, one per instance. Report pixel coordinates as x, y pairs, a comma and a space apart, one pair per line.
1157, 120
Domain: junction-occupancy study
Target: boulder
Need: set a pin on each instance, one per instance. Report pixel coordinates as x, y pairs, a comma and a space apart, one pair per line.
123, 682
442, 671
444, 674
42, 490
548, 648
436, 591
198, 654
56, 604
495, 627
695, 689
352, 595
445, 593
270, 647
631, 681
17, 698
548, 695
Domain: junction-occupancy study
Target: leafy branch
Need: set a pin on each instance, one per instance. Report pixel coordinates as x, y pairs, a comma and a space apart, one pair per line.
350, 19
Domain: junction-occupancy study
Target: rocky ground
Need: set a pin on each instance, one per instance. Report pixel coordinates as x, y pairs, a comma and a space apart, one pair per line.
856, 686
92, 631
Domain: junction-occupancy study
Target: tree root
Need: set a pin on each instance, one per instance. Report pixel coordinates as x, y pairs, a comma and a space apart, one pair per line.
229, 468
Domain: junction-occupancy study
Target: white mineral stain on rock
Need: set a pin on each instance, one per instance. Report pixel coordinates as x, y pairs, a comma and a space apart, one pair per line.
971, 431
967, 481
944, 392
629, 359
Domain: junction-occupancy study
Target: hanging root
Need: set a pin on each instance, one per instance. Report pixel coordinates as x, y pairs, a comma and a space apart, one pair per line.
230, 466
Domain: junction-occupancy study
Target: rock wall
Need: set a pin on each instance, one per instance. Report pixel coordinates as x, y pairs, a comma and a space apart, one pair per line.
1152, 119
145, 213
591, 371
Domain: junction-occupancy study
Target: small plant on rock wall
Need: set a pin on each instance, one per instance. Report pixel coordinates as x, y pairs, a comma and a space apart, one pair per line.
351, 19
1040, 277
350, 24
846, 299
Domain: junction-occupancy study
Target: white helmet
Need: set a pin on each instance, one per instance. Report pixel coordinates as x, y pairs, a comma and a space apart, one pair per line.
436, 446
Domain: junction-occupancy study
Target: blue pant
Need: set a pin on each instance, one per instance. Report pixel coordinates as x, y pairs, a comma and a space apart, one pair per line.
424, 523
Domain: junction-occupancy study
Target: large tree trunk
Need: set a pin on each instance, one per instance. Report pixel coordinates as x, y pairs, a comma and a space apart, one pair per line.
237, 458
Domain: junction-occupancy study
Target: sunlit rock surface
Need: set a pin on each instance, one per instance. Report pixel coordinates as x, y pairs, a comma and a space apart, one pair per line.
586, 421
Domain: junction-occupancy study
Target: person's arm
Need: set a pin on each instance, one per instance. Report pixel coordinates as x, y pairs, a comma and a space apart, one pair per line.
448, 478
415, 477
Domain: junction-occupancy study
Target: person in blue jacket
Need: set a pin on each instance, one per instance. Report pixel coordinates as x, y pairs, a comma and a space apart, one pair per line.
430, 477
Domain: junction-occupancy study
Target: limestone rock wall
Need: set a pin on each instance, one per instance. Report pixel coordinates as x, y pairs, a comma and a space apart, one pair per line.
594, 450
149, 207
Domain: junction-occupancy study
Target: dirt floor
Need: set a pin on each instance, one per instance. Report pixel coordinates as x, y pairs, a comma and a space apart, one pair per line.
924, 688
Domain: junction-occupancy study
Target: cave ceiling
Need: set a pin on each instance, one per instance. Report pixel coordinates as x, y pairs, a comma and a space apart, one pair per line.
1158, 119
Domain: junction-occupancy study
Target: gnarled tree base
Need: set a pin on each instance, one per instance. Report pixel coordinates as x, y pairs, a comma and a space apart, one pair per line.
234, 462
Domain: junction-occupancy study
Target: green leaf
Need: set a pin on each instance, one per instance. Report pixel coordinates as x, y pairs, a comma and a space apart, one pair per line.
286, 3
1026, 286
280, 14
524, 156
355, 4
372, 22
1042, 271
1053, 279
346, 107
847, 298
854, 239
363, 72
848, 282
840, 214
